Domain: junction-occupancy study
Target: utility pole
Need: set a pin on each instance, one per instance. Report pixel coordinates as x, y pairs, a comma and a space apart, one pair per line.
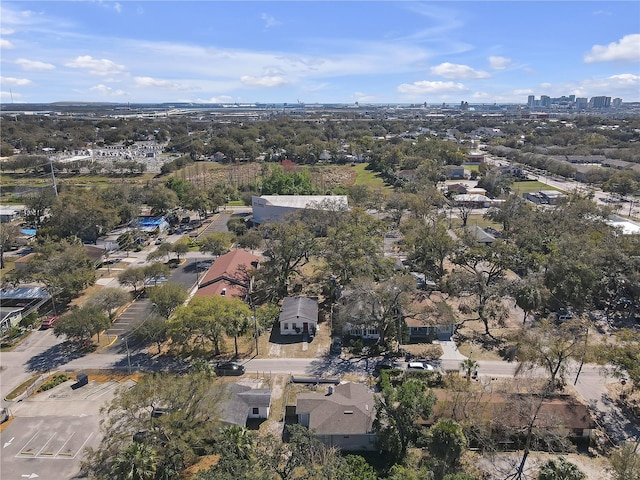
53, 177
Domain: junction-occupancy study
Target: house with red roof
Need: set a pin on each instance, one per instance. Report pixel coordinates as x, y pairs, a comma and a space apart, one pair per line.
229, 275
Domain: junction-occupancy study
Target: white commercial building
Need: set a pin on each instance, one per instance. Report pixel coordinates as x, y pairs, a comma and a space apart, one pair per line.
273, 208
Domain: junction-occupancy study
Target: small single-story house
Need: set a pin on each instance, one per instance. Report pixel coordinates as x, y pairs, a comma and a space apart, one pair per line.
244, 403
475, 201
365, 332
456, 171
429, 318
230, 275
298, 316
480, 234
273, 208
9, 214
16, 303
341, 418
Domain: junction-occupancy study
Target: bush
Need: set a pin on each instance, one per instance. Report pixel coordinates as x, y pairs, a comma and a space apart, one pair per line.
432, 378
54, 381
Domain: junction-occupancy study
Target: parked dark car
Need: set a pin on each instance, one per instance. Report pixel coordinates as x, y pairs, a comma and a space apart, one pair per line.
386, 364
229, 369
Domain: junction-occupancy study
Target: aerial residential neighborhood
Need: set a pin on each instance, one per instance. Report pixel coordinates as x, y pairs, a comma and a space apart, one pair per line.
359, 309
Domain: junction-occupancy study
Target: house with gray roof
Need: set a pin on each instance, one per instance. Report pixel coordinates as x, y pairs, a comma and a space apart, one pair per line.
244, 403
298, 316
341, 418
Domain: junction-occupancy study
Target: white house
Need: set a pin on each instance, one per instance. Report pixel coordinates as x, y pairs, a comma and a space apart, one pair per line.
299, 316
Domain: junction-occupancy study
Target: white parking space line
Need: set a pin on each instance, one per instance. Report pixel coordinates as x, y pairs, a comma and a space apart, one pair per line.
45, 445
27, 444
63, 445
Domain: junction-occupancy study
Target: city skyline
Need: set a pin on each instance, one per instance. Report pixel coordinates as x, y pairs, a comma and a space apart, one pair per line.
317, 52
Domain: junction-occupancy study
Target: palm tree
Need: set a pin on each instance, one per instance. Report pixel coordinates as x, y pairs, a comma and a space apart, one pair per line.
136, 462
237, 441
470, 367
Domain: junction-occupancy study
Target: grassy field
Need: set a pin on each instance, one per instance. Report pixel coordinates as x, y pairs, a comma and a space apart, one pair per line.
369, 177
529, 186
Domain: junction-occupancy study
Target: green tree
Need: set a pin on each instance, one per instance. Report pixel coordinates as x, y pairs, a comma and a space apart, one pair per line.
469, 367
238, 316
133, 276
625, 461
378, 305
289, 246
398, 413
167, 297
8, 234
82, 214
551, 347
354, 248
109, 299
429, 245
446, 442
153, 329
184, 432
80, 324
136, 462
155, 272
217, 243
560, 469
204, 319
64, 268
180, 248
528, 297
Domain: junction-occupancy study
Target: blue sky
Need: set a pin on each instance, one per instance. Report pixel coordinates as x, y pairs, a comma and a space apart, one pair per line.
317, 51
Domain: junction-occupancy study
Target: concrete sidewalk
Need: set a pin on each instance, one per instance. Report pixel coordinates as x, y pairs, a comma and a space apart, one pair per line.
450, 350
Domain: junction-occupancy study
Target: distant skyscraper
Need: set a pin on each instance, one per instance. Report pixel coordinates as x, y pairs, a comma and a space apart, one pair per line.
616, 103
581, 103
531, 101
572, 98
600, 102
545, 101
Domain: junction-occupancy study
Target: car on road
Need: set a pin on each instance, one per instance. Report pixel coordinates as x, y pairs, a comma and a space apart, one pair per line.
49, 322
419, 366
229, 369
386, 364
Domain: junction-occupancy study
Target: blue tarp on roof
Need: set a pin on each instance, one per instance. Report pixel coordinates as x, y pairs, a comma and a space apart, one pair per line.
28, 231
151, 221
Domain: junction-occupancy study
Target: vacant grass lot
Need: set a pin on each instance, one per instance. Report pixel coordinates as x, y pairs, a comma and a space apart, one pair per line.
369, 177
529, 186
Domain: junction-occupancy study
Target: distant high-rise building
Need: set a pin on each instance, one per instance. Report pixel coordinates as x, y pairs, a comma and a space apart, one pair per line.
531, 101
545, 101
582, 103
600, 102
616, 103
572, 98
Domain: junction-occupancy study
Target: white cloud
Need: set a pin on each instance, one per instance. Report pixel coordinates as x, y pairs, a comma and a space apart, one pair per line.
364, 97
269, 20
34, 65
117, 7
625, 79
107, 91
5, 43
264, 81
626, 50
6, 31
480, 95
455, 71
96, 66
15, 82
523, 91
155, 82
499, 63
425, 87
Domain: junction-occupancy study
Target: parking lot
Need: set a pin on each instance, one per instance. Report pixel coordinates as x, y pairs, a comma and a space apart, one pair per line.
49, 432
